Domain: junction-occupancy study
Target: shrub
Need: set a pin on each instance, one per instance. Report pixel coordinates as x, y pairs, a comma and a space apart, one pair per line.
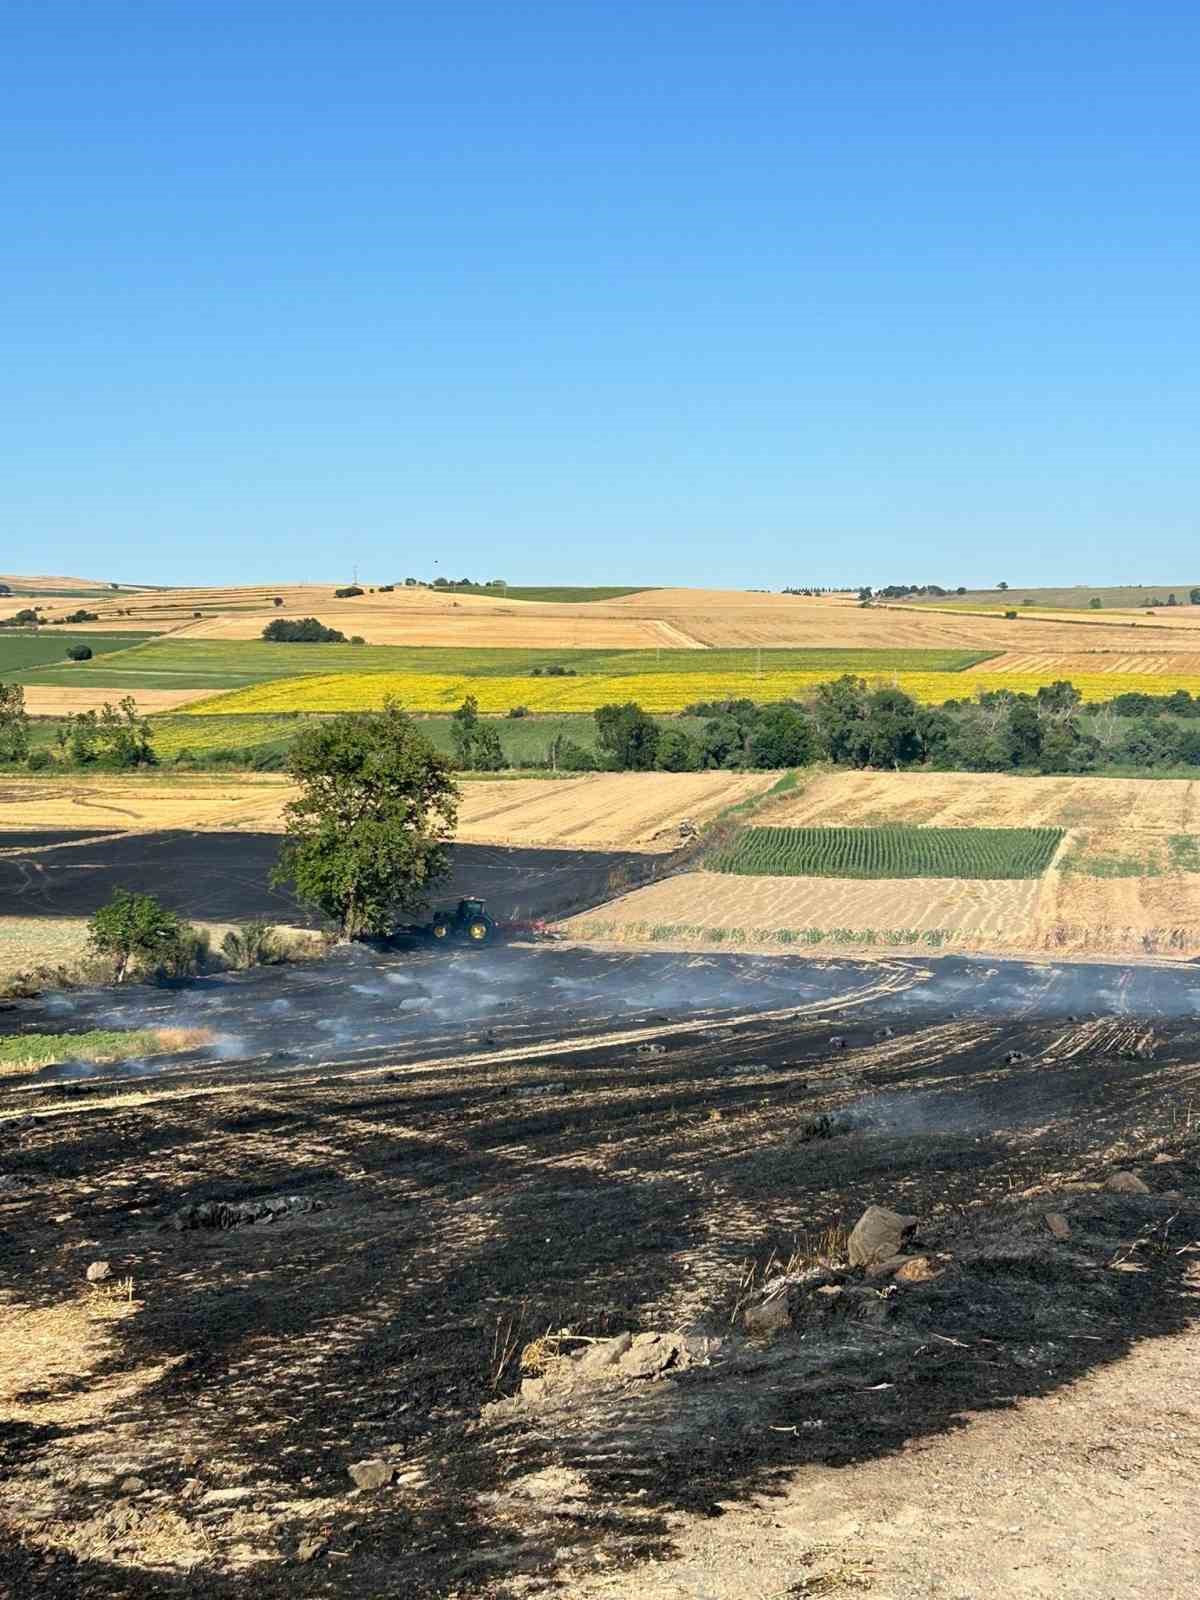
79, 652
38, 760
347, 593
83, 616
519, 711
252, 945
357, 638
1011, 616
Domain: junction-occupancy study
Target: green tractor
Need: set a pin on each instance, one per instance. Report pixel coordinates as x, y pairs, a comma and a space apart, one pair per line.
468, 921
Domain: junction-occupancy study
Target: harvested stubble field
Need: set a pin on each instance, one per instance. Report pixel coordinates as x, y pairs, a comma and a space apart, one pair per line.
602, 810
42, 700
1182, 664
1124, 883
892, 851
591, 811
451, 1207
700, 910
119, 803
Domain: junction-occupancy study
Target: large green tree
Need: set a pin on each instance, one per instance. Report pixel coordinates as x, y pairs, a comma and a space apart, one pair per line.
366, 838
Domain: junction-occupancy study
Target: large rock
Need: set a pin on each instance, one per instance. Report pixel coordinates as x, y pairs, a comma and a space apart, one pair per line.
1126, 1183
878, 1235
98, 1272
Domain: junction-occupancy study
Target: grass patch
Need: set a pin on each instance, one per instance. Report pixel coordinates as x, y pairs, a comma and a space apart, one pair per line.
891, 852
1112, 866
22, 654
19, 1052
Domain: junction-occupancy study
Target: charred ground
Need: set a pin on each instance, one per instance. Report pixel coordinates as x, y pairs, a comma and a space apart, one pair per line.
510, 1169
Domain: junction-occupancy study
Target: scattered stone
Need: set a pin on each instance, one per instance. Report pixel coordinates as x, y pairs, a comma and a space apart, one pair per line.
651, 1049
529, 1091
1058, 1225
12, 1182
917, 1269
1071, 1017
1126, 1183
226, 1497
770, 1316
879, 1234
98, 1271
837, 1042
598, 1357
741, 1069
823, 1127
1162, 1159
309, 1549
241, 1213
373, 1474
885, 1033
1013, 1057
132, 1485
552, 1485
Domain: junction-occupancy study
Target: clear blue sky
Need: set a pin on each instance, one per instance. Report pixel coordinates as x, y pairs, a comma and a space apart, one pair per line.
738, 294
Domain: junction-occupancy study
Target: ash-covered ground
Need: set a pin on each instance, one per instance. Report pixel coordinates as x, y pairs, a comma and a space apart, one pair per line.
464, 1152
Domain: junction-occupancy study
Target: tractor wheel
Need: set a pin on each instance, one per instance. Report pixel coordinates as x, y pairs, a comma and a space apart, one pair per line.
441, 930
479, 931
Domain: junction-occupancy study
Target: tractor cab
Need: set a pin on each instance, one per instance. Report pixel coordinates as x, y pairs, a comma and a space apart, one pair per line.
469, 920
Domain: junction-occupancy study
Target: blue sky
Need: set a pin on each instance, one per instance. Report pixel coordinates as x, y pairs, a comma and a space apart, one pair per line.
718, 294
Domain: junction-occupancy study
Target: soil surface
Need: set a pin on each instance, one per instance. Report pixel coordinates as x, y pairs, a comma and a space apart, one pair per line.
341, 1260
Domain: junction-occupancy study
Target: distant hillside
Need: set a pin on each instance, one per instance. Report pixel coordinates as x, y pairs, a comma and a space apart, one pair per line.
1078, 597
24, 583
553, 594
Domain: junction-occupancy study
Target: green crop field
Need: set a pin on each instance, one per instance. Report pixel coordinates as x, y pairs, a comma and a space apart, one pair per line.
165, 663
892, 852
22, 655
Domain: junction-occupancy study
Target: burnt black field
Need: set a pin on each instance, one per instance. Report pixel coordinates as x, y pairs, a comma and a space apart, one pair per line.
225, 877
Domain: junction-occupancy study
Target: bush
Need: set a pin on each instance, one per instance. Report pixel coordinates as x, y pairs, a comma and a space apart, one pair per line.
574, 757
83, 616
38, 760
79, 652
136, 931
1011, 616
252, 945
357, 638
519, 711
